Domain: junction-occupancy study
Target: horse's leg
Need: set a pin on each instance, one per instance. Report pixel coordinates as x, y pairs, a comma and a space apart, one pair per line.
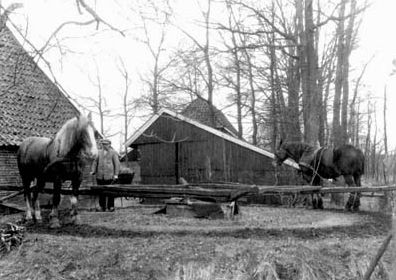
353, 197
54, 215
356, 205
28, 199
320, 201
317, 202
314, 201
75, 218
35, 201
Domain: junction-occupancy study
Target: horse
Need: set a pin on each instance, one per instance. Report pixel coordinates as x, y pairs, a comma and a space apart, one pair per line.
56, 160
326, 163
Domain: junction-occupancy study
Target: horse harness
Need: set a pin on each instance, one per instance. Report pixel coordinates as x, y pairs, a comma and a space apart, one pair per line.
72, 162
316, 162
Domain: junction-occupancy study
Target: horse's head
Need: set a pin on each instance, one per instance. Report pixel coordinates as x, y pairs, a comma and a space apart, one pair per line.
281, 154
76, 137
87, 139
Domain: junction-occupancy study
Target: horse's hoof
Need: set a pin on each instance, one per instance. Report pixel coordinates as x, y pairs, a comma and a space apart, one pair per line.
54, 223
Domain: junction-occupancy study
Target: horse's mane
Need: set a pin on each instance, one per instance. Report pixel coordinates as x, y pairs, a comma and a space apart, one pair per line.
299, 147
68, 136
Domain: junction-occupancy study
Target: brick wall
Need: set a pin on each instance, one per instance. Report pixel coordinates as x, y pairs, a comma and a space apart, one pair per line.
9, 174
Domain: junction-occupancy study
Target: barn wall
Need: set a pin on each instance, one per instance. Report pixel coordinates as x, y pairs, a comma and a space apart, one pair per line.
220, 160
9, 174
201, 156
158, 163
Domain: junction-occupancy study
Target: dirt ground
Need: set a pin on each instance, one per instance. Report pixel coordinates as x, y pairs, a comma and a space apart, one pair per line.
261, 243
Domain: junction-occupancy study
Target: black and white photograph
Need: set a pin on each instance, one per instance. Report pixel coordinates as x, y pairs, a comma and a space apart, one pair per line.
197, 140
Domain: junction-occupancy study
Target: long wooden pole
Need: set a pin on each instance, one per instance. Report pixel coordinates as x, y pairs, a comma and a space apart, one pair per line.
4, 198
212, 189
377, 257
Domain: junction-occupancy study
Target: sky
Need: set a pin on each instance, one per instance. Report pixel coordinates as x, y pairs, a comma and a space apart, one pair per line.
91, 51
377, 40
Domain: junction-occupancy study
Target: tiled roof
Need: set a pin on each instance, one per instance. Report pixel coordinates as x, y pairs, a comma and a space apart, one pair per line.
30, 103
200, 110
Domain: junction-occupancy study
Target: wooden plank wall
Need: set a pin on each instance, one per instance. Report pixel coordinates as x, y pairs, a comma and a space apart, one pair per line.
9, 173
202, 156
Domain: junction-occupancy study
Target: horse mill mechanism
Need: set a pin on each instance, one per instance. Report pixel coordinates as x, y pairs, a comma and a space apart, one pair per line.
210, 192
215, 193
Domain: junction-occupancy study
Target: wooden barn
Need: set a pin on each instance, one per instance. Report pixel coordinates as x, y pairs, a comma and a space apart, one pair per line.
30, 104
174, 146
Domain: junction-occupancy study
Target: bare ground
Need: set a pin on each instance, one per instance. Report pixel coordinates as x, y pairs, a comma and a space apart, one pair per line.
262, 243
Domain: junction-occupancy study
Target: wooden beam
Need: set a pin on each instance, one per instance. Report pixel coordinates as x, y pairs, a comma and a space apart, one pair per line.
218, 191
357, 189
174, 191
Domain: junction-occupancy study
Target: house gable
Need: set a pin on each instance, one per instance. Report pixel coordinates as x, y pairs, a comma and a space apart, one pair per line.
30, 103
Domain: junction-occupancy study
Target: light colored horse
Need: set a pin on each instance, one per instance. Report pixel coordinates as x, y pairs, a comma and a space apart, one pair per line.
56, 160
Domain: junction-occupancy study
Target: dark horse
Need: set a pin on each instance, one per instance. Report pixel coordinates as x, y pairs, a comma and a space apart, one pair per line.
56, 160
326, 163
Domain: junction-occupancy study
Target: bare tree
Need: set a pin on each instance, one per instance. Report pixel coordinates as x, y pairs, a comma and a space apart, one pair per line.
98, 104
127, 105
345, 43
205, 49
309, 74
155, 21
233, 71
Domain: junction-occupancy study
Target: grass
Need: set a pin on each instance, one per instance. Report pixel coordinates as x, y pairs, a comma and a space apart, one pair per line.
264, 243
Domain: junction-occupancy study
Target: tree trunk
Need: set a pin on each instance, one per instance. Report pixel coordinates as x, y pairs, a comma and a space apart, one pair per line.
345, 82
237, 65
293, 104
311, 124
252, 99
336, 134
274, 114
368, 142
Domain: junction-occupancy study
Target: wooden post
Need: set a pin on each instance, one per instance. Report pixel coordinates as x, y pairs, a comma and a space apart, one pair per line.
377, 257
225, 171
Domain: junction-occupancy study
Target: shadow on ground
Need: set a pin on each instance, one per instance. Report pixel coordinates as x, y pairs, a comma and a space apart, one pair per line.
373, 224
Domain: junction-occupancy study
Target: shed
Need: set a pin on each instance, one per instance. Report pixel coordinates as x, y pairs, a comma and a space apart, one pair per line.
30, 104
174, 146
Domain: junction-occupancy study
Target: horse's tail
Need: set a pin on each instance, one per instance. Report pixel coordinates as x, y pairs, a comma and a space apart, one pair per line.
363, 162
21, 153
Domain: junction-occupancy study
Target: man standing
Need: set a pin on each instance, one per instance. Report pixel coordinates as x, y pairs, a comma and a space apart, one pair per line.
106, 167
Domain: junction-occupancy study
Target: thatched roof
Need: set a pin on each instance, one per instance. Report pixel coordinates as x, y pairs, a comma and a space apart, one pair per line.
30, 103
207, 114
